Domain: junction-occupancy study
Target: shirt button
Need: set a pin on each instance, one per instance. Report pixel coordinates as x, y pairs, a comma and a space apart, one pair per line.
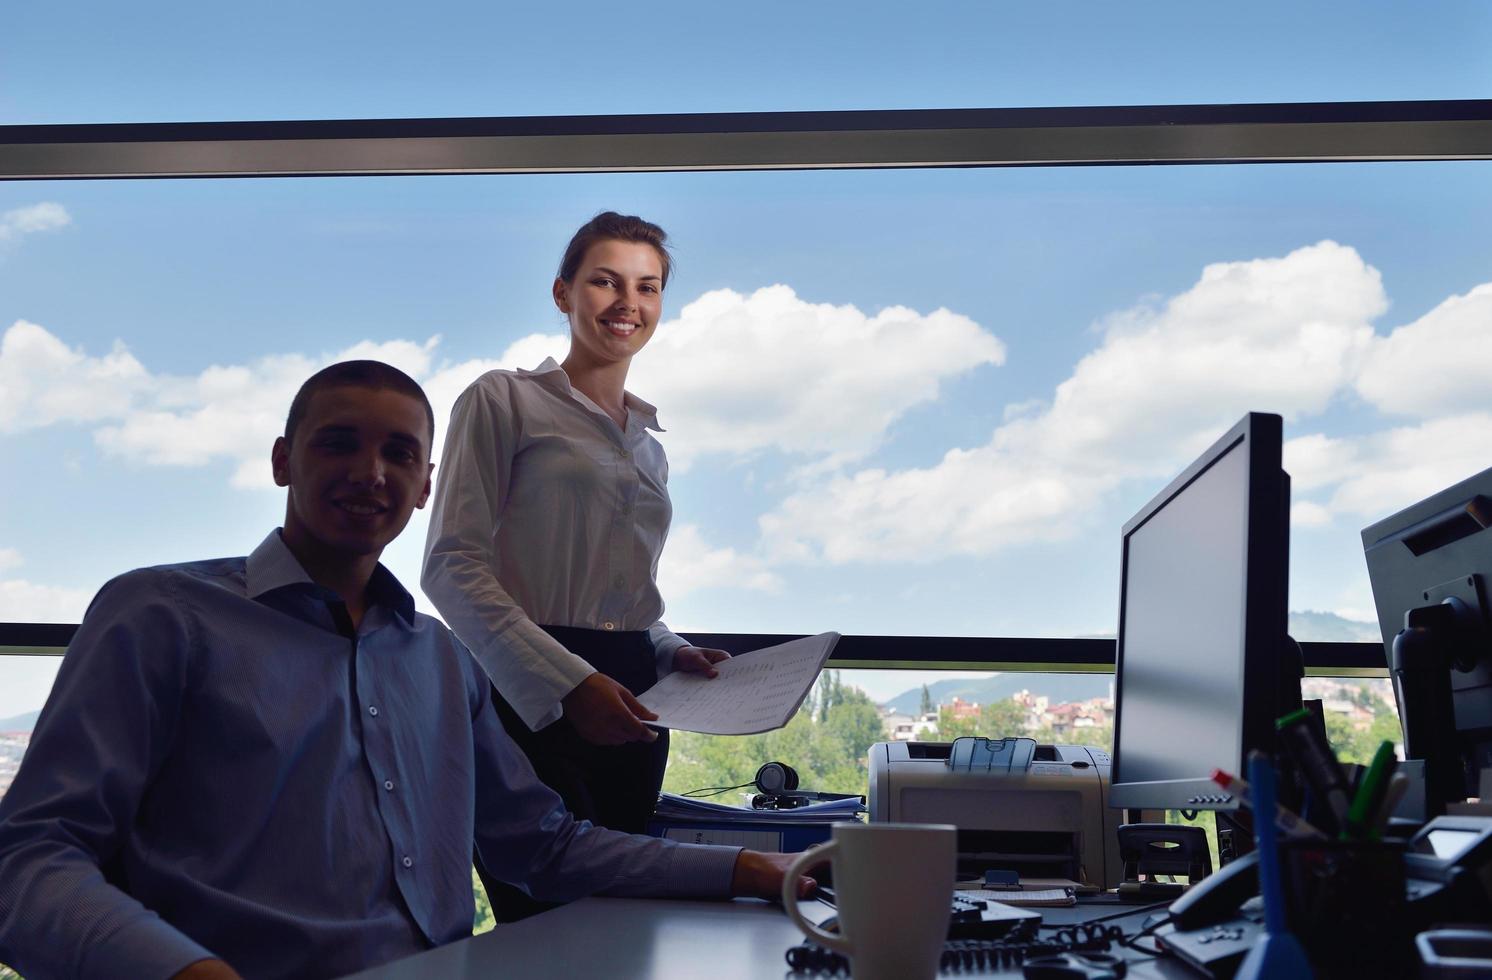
373, 710
388, 784
625, 454
619, 581
408, 861
608, 626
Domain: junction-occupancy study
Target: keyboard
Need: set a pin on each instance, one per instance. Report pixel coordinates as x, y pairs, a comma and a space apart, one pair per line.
983, 918
969, 917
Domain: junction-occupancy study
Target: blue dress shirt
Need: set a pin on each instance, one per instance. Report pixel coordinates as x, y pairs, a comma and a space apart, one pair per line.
226, 768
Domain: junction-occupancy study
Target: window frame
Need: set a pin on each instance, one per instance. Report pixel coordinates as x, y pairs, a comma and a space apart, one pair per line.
1319, 132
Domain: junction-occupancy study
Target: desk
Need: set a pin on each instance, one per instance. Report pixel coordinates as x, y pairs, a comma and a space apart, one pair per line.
664, 939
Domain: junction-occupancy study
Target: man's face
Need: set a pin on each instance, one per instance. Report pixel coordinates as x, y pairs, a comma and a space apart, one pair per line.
357, 466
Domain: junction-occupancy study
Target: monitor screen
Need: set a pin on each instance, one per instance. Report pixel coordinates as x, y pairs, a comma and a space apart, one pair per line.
1202, 624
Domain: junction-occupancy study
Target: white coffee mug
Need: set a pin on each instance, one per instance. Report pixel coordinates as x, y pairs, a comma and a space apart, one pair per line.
893, 890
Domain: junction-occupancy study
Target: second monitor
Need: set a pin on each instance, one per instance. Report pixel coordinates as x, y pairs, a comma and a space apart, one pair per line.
1204, 661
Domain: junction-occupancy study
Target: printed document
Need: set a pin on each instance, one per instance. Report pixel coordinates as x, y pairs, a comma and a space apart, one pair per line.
755, 692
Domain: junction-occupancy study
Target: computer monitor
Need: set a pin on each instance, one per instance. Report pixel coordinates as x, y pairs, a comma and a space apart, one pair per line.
1429, 565
1205, 664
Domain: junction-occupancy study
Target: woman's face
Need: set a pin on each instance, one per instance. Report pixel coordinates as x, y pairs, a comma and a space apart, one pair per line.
614, 301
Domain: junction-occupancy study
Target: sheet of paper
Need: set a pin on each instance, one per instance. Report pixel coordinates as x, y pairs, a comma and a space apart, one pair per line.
755, 692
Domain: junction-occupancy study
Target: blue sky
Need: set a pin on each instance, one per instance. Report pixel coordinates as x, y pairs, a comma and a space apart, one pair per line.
833, 337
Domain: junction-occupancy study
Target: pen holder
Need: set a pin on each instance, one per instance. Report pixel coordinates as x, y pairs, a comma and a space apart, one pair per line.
1344, 901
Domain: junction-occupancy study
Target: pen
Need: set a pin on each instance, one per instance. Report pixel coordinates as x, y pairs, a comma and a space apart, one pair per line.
1370, 792
1317, 763
1289, 823
1397, 787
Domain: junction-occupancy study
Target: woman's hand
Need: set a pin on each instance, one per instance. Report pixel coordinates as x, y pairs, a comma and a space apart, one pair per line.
699, 660
604, 712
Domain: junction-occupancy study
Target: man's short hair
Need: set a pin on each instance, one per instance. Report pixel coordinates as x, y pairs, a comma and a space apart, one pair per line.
357, 374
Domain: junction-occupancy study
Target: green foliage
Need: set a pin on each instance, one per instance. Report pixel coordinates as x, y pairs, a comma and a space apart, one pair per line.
925, 706
827, 742
1353, 744
6, 973
483, 921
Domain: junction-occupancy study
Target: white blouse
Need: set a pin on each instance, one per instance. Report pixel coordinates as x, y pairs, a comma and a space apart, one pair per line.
546, 511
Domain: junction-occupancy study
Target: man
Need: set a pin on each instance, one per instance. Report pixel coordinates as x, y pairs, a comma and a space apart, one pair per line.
273, 766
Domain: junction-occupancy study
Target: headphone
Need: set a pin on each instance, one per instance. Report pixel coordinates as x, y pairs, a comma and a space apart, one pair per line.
776, 783
776, 786
775, 778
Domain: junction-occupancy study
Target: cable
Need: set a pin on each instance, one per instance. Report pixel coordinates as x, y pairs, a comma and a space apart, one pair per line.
1011, 950
698, 794
1135, 910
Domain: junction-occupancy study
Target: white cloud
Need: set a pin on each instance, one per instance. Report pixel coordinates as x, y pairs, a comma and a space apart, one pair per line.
234, 412
1304, 513
1317, 460
44, 382
738, 374
690, 564
1392, 469
10, 558
45, 216
27, 602
1439, 364
735, 374
1282, 335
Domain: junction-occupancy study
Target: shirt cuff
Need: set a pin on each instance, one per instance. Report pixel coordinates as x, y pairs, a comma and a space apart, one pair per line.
533, 672
665, 645
702, 870
147, 947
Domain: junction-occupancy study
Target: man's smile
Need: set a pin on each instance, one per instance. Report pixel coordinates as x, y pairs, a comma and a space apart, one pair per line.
360, 506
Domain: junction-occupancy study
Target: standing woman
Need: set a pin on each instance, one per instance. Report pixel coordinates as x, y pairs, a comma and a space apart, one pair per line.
550, 512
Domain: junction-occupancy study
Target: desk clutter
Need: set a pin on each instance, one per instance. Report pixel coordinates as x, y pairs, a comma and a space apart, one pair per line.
1325, 870
1076, 947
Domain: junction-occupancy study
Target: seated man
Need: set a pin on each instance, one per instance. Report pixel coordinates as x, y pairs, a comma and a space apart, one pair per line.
274, 766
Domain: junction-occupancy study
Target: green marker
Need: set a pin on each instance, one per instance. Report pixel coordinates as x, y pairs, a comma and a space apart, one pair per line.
1370, 792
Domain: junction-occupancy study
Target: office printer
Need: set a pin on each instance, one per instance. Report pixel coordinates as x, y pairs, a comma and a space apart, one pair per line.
1040, 810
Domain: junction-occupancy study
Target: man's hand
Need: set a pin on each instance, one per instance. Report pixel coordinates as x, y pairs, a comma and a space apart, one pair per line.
759, 874
208, 970
699, 660
605, 713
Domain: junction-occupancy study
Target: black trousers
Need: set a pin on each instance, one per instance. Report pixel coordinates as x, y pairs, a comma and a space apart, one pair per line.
612, 786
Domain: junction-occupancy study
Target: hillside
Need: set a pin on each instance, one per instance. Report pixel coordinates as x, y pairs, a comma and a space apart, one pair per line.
1308, 625
1325, 627
1059, 687
19, 723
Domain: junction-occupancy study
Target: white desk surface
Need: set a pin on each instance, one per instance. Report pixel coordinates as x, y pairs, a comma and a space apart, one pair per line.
655, 939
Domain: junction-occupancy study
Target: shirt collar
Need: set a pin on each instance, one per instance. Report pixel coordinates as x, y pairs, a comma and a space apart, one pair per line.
272, 566
551, 374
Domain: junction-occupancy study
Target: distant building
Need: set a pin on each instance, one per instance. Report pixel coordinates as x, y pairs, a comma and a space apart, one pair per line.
901, 727
959, 708
1360, 718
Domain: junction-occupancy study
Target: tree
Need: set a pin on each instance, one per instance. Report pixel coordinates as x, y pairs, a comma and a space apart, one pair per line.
827, 742
925, 708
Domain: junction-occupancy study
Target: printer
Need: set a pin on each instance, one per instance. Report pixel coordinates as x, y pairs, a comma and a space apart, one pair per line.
1040, 810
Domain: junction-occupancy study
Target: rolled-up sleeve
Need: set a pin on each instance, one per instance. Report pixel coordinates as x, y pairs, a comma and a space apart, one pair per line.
531, 669
98, 743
